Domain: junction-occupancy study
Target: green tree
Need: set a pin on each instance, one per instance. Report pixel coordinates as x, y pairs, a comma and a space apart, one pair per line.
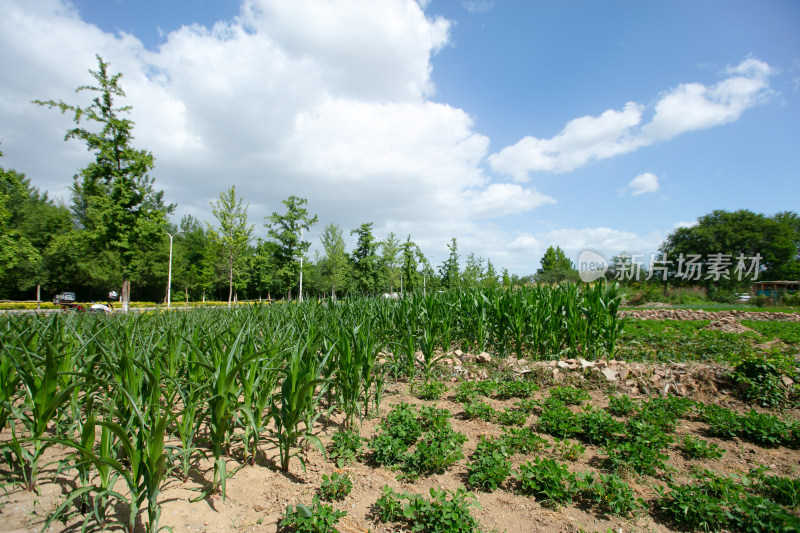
556, 267
231, 237
113, 197
365, 270
334, 263
411, 253
473, 271
263, 267
189, 253
490, 275
30, 222
390, 261
285, 231
449, 269
17, 254
721, 238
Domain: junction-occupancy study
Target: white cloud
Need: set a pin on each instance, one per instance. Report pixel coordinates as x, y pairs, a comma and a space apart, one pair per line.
582, 140
685, 224
643, 183
478, 6
284, 99
688, 107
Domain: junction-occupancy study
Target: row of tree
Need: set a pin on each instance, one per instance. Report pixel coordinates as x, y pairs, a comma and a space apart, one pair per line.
724, 252
114, 234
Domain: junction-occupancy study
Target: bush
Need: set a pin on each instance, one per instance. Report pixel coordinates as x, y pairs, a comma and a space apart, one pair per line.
435, 515
319, 518
760, 381
695, 448
548, 481
335, 487
569, 395
621, 405
345, 447
431, 390
557, 420
613, 495
490, 465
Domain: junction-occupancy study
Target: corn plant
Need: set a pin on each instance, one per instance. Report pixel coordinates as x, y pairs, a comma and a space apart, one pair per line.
296, 401
258, 380
42, 405
226, 358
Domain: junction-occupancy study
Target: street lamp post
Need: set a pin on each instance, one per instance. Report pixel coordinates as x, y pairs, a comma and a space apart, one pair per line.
169, 269
300, 296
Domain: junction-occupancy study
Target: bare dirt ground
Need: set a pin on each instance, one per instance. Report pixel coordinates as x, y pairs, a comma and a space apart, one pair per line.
257, 495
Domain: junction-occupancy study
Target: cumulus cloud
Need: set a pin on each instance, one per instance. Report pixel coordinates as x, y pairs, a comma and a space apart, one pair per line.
643, 183
687, 107
286, 98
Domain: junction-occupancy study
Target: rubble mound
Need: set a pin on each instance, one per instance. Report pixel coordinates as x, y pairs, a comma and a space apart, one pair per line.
697, 314
727, 324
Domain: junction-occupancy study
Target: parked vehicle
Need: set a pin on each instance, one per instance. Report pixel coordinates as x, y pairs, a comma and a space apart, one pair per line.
67, 301
104, 307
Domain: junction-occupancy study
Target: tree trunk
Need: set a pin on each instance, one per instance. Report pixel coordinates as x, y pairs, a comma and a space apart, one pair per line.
230, 287
126, 294
38, 295
186, 292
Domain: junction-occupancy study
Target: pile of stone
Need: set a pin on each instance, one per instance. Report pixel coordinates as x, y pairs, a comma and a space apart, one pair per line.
727, 324
696, 314
681, 379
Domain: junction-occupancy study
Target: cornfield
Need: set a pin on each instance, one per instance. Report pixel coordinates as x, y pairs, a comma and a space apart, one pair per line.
138, 399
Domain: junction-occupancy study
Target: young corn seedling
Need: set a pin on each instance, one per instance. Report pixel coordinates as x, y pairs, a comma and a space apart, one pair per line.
223, 366
297, 398
43, 402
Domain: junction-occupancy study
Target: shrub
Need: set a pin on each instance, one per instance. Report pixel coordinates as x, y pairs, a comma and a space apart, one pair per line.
613, 495
515, 389
696, 448
435, 515
345, 447
621, 405
319, 518
489, 466
335, 487
569, 395
521, 440
548, 481
479, 410
509, 417
431, 390
556, 419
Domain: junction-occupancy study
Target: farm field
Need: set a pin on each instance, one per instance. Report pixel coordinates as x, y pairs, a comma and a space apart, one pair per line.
215, 420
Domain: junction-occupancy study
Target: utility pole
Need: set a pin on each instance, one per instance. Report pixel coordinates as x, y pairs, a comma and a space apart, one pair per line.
301, 266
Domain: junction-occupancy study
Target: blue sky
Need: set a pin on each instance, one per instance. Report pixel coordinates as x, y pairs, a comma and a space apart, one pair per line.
510, 125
